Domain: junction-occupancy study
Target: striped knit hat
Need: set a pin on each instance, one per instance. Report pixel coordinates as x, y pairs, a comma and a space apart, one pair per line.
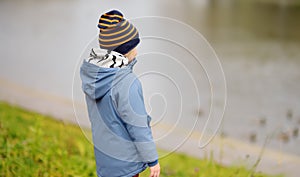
116, 33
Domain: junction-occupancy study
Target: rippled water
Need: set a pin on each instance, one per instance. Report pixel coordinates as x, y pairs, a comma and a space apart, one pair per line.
257, 44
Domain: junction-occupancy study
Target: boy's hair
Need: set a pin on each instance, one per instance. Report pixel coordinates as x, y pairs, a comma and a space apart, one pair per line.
116, 33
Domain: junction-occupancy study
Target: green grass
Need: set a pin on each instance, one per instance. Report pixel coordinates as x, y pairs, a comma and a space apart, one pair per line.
32, 144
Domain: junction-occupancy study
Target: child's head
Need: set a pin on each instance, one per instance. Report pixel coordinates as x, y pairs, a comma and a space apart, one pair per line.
117, 34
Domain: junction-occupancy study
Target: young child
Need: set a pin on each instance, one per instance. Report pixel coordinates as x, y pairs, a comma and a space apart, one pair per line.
122, 137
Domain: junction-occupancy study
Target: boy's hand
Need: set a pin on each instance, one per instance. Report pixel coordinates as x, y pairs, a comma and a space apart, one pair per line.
155, 170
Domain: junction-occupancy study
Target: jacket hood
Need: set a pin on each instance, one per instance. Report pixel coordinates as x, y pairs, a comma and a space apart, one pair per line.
98, 80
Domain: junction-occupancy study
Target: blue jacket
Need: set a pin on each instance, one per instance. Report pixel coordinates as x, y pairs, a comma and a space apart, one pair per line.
122, 137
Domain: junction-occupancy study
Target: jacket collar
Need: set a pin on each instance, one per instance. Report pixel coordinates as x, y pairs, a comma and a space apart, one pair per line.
132, 63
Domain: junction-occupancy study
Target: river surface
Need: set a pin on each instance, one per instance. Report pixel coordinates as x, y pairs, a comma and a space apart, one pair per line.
257, 44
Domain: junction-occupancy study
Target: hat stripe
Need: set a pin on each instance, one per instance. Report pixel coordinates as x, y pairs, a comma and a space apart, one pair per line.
117, 38
124, 30
111, 21
115, 33
112, 16
119, 43
113, 30
104, 26
107, 25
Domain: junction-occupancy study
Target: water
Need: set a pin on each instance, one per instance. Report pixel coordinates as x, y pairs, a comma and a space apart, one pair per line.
257, 43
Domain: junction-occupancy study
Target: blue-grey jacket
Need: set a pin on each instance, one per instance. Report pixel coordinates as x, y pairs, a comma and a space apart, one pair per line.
122, 136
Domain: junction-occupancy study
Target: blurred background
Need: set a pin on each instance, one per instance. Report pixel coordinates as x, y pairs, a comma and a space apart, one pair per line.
257, 42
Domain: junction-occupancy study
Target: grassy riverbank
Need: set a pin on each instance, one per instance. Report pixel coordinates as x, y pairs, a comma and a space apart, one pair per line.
32, 144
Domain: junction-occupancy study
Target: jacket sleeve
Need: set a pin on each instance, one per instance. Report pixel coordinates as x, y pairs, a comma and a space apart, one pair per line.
129, 103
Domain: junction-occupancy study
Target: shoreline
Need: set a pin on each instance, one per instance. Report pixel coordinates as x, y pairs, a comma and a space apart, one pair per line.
226, 150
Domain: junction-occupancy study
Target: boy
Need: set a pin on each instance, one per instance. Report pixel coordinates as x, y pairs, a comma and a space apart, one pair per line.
122, 137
